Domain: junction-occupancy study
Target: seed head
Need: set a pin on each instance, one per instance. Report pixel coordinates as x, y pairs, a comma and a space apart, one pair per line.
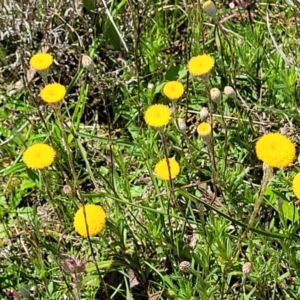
71, 265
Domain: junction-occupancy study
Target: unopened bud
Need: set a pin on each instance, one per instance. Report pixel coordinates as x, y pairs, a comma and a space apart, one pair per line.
184, 266
215, 95
204, 114
210, 9
247, 268
229, 92
181, 124
67, 190
150, 86
87, 62
279, 202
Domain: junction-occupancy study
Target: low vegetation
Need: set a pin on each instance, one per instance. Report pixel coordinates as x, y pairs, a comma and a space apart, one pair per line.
149, 150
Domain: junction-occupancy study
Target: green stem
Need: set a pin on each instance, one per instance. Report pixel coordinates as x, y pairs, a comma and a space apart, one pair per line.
265, 180
171, 198
57, 110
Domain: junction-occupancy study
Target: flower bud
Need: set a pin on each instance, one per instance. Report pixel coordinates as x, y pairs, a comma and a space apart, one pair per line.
229, 92
181, 124
279, 202
87, 62
210, 9
184, 266
150, 86
204, 114
215, 95
67, 190
247, 268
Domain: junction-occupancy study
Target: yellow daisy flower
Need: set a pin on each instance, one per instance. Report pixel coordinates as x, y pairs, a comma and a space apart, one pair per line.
39, 156
296, 185
41, 61
157, 115
275, 150
204, 129
173, 90
201, 65
95, 220
53, 92
161, 169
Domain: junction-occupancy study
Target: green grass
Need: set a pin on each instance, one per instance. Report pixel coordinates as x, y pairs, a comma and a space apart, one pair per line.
202, 216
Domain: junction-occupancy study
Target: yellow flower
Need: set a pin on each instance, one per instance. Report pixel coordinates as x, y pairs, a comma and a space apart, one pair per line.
53, 92
296, 185
39, 156
204, 129
41, 61
162, 171
275, 150
201, 65
173, 90
157, 115
95, 220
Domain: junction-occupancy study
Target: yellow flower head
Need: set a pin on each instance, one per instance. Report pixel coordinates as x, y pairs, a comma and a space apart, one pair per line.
275, 150
39, 156
157, 115
296, 185
173, 90
204, 129
162, 171
41, 61
95, 220
201, 65
53, 92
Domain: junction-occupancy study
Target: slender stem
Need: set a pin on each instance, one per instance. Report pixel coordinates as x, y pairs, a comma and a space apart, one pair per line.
77, 286
267, 175
44, 75
226, 138
57, 110
211, 143
188, 141
48, 191
171, 197
265, 180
